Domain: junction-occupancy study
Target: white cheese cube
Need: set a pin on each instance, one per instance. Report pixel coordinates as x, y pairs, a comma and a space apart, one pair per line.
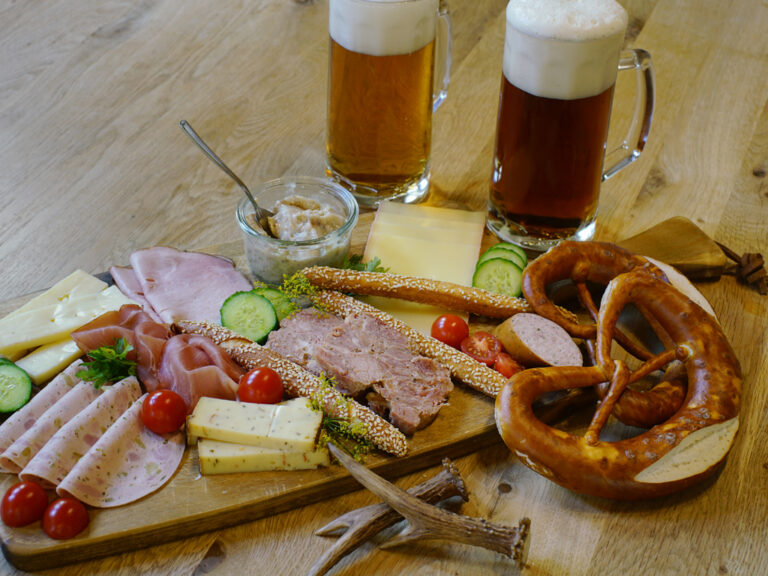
226, 458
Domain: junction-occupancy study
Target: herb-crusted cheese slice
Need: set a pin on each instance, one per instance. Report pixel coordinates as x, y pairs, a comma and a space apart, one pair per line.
292, 426
295, 425
225, 458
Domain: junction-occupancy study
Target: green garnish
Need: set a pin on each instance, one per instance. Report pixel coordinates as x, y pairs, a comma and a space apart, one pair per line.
108, 364
349, 435
355, 262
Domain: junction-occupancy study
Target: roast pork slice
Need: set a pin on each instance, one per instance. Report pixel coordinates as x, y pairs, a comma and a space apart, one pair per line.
300, 335
186, 285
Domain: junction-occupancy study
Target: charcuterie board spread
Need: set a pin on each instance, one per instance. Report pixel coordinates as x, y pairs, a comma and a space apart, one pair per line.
197, 327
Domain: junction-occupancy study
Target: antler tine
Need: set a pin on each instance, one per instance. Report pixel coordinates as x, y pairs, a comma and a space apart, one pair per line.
363, 523
430, 522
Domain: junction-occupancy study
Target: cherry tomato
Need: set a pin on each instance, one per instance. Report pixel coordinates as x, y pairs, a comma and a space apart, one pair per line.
507, 365
261, 385
450, 329
65, 518
482, 346
23, 503
163, 411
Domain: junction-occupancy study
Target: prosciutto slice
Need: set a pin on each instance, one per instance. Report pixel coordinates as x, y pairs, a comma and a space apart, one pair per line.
193, 366
21, 421
54, 460
137, 327
28, 444
126, 463
129, 285
186, 285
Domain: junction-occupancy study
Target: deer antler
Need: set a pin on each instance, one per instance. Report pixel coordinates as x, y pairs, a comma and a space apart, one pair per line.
363, 523
431, 523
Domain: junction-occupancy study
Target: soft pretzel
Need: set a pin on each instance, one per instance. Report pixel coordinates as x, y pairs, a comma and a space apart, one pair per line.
672, 455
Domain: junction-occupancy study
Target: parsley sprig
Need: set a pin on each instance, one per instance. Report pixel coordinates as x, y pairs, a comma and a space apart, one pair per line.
355, 262
108, 364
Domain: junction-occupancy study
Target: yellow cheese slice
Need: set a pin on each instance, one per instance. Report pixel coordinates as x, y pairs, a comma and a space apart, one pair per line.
45, 362
77, 284
425, 241
226, 458
290, 426
52, 322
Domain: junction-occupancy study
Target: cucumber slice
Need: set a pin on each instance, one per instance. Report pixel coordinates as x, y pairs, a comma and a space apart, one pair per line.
283, 305
250, 315
509, 247
15, 387
501, 253
498, 275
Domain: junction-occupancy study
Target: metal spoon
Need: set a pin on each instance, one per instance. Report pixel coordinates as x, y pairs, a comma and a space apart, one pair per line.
261, 214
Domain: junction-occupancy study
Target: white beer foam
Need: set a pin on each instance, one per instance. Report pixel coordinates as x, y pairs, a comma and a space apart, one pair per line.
383, 27
564, 49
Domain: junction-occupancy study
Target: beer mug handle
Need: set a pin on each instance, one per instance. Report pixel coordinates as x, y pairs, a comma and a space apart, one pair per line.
634, 141
443, 58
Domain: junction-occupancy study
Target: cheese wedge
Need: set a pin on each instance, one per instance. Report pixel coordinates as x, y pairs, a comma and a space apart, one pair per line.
426, 241
291, 426
45, 362
226, 458
51, 322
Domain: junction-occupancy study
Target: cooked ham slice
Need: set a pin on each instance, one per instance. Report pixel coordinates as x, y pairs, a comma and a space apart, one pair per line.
128, 462
28, 444
300, 335
186, 285
22, 420
129, 284
193, 366
132, 323
60, 454
362, 354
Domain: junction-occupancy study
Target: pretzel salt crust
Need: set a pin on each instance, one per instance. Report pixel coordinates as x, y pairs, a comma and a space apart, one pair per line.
472, 373
423, 290
300, 383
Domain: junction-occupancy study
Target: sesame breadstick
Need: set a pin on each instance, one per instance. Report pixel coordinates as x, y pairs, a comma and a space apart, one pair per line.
300, 383
468, 370
422, 290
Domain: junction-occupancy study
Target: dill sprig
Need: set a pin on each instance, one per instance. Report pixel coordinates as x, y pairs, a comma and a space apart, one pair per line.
346, 433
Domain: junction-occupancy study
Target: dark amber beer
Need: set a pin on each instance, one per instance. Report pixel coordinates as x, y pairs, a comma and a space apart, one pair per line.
380, 97
560, 65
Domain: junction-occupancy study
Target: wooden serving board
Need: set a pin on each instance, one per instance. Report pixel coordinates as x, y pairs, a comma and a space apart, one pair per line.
192, 504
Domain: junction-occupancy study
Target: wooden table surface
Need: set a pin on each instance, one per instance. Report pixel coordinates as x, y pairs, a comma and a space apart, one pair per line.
95, 166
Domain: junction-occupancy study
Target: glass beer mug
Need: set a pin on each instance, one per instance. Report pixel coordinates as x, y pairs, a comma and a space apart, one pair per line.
560, 64
385, 81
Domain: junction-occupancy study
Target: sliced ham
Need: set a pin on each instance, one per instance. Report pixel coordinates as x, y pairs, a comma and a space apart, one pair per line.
18, 454
129, 284
193, 366
128, 462
60, 454
137, 327
186, 285
22, 420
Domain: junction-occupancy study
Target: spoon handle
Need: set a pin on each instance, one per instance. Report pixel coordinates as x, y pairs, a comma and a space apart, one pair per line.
212, 155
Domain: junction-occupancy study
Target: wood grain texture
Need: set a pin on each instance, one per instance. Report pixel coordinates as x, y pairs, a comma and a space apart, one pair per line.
94, 166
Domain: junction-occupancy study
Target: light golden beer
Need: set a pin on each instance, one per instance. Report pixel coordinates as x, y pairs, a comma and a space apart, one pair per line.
560, 65
380, 97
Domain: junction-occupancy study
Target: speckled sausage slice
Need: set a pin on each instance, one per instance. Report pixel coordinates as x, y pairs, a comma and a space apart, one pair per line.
54, 460
536, 341
127, 463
